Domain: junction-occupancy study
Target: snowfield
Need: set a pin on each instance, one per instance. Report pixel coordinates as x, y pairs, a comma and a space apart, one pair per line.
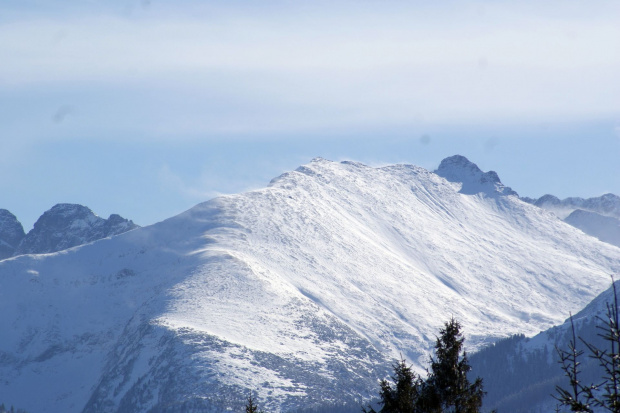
303, 291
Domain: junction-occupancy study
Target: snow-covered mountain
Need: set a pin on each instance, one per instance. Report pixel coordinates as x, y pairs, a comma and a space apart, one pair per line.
302, 291
68, 225
11, 233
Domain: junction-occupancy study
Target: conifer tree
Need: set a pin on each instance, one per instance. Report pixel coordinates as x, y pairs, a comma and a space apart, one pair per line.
403, 394
252, 407
446, 389
579, 397
604, 395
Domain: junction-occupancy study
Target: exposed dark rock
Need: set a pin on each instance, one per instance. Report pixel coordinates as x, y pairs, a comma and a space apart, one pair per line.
11, 233
68, 225
459, 169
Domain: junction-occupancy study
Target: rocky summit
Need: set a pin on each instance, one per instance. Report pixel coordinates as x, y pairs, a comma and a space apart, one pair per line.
461, 170
68, 225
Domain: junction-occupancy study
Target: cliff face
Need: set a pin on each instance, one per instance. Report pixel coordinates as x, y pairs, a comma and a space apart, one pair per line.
11, 234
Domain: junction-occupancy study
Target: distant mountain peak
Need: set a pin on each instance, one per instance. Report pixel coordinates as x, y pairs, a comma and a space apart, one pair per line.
607, 204
69, 210
319, 159
459, 169
459, 162
548, 199
68, 225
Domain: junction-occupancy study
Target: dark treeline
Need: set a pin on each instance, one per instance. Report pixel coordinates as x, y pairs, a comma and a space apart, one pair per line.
4, 409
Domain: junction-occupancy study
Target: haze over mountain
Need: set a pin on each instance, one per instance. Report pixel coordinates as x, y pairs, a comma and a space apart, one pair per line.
605, 228
303, 291
607, 204
598, 216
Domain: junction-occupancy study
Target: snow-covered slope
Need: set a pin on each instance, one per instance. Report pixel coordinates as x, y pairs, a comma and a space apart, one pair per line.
68, 225
11, 233
302, 291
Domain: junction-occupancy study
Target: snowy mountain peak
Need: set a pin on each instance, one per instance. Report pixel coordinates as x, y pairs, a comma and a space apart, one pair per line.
66, 211
68, 225
459, 169
11, 233
319, 159
457, 164
301, 292
547, 199
609, 204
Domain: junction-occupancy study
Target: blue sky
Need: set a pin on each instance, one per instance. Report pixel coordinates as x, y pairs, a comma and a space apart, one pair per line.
145, 108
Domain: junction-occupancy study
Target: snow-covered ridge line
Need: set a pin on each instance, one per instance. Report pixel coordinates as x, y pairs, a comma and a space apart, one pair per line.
302, 291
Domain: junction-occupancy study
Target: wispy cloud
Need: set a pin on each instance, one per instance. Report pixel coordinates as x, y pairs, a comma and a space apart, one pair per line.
203, 186
174, 183
201, 70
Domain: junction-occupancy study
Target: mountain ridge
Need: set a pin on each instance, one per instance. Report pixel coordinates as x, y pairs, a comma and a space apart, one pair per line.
302, 291
62, 226
606, 204
597, 216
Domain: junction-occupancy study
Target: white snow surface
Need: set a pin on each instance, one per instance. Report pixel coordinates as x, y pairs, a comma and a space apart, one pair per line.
329, 267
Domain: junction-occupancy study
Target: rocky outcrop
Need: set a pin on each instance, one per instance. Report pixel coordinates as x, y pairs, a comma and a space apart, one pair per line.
459, 169
11, 233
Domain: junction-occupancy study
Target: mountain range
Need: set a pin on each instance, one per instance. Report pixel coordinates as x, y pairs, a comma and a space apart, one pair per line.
61, 227
598, 216
302, 292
